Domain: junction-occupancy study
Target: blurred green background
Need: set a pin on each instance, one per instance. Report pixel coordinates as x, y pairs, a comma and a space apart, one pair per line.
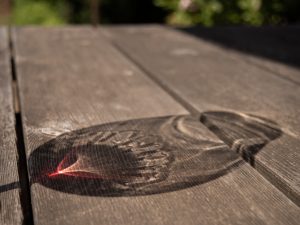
179, 12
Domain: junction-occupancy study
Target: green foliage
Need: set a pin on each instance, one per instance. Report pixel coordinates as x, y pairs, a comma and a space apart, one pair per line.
180, 12
170, 5
222, 12
41, 12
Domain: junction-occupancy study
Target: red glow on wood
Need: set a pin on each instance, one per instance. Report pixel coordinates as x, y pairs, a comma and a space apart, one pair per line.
59, 169
74, 170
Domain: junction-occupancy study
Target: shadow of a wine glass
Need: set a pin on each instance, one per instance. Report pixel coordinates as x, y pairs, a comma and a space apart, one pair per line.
149, 156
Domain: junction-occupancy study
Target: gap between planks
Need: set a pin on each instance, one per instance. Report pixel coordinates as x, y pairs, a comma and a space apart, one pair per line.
25, 197
276, 68
173, 94
42, 197
189, 106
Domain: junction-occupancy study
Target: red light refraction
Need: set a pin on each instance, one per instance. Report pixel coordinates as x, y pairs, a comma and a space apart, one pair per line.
76, 164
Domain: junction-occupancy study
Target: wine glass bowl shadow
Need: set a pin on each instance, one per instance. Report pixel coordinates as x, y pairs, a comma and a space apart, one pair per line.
149, 156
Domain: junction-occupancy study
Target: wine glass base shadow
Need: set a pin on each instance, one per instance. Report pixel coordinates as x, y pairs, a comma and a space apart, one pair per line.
149, 156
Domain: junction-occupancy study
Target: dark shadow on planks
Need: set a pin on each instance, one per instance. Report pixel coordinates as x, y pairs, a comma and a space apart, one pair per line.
149, 156
245, 134
10, 186
279, 44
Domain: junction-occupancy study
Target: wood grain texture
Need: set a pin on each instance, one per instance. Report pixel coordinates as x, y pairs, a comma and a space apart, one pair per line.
71, 78
207, 78
274, 49
10, 206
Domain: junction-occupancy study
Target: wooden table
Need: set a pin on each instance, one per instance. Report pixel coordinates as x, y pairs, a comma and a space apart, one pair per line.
149, 125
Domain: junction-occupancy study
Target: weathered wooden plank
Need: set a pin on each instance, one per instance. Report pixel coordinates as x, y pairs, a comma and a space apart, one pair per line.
271, 48
10, 206
5, 11
203, 75
71, 78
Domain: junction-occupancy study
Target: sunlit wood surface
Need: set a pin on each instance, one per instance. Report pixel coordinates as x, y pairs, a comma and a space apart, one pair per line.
149, 125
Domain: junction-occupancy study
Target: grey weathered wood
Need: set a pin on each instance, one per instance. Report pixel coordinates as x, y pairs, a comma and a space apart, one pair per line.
10, 206
71, 78
271, 48
208, 78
